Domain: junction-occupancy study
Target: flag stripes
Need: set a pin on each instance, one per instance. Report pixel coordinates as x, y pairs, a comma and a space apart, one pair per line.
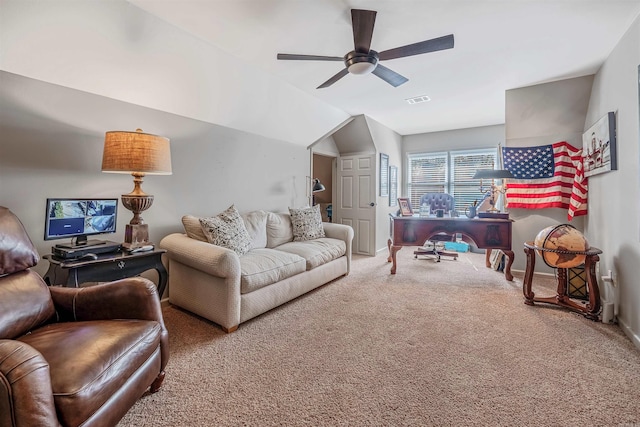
547, 176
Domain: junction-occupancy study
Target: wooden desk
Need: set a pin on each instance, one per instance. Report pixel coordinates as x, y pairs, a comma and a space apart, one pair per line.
486, 233
108, 267
591, 309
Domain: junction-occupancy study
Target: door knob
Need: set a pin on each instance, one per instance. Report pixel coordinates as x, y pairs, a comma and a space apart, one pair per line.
372, 204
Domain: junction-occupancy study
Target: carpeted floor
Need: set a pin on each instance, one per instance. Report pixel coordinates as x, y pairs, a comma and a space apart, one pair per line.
438, 344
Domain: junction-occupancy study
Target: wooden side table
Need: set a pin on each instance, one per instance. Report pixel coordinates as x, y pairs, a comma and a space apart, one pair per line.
590, 309
108, 267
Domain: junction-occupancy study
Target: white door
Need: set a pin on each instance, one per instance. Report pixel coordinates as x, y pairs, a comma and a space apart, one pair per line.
356, 200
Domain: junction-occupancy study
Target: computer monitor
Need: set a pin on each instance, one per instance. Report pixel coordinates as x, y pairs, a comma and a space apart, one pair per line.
78, 218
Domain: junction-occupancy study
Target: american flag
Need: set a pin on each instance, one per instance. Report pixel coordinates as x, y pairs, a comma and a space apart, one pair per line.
547, 176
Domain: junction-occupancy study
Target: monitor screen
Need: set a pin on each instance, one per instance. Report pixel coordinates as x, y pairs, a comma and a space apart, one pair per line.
79, 218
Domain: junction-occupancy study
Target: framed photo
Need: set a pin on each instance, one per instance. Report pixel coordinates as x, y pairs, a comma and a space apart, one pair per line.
393, 185
599, 146
405, 206
384, 175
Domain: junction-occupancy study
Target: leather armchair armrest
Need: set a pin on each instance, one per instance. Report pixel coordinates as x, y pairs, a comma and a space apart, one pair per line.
131, 298
26, 398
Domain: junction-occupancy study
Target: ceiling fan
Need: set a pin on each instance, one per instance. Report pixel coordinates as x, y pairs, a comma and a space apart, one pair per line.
364, 60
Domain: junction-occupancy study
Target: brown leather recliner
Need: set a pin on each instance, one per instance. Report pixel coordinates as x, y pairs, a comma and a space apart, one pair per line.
73, 356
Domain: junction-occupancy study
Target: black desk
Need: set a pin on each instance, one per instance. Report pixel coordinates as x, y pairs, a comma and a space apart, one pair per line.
108, 267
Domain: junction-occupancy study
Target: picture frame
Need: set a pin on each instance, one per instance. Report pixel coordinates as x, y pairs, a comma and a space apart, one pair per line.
599, 148
393, 186
384, 175
405, 206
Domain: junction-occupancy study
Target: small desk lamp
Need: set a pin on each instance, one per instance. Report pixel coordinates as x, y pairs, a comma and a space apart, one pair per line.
136, 153
317, 186
492, 174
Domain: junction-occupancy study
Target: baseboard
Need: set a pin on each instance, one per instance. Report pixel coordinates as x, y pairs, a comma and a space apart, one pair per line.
635, 339
164, 302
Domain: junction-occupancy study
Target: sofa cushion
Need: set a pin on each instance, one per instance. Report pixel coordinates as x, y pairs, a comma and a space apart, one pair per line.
263, 267
227, 230
316, 252
193, 228
279, 229
256, 224
306, 223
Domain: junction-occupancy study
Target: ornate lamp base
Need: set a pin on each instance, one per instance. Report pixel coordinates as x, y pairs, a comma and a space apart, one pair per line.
135, 236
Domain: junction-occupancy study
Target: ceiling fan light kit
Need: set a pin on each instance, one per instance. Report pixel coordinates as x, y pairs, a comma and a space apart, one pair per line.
364, 60
358, 63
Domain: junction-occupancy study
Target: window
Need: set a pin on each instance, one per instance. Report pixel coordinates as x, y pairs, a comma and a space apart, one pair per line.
448, 172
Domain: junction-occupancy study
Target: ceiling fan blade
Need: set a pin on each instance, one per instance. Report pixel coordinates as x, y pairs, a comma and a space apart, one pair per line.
441, 43
362, 22
334, 79
295, 57
389, 76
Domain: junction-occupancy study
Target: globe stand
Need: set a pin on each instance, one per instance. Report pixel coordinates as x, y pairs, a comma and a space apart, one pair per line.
590, 309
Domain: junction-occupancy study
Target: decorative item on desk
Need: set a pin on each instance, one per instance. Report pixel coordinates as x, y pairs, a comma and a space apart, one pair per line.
493, 174
139, 154
405, 206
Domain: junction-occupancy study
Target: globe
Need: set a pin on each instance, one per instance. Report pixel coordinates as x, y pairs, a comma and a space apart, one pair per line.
566, 239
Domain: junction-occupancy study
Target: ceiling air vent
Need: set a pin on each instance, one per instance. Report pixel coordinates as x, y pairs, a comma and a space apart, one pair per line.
418, 99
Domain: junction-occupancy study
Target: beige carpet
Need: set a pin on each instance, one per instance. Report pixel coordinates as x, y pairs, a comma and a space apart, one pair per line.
438, 344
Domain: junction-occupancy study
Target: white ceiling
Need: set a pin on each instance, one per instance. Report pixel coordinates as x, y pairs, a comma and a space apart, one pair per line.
499, 45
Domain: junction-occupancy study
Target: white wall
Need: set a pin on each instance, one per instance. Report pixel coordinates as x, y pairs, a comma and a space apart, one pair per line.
51, 141
115, 49
541, 115
614, 210
388, 142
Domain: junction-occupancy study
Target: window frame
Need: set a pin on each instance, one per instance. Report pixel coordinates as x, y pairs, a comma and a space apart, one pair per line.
448, 183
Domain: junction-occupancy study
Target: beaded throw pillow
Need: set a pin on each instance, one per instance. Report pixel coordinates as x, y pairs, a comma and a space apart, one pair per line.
306, 223
227, 230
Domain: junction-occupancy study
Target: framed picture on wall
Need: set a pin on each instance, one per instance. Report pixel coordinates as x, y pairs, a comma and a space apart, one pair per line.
384, 175
599, 146
393, 185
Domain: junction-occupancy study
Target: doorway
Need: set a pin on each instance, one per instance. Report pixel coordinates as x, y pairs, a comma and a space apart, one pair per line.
323, 172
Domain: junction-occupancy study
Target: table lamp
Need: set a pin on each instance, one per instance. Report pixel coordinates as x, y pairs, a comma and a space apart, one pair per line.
493, 174
139, 154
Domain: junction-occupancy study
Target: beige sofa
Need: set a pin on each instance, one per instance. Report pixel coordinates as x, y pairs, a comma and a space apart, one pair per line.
228, 289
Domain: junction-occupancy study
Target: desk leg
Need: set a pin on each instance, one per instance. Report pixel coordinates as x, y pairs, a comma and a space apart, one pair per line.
507, 268
393, 249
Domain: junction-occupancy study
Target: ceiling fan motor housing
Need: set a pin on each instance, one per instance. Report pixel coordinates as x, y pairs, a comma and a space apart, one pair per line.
361, 63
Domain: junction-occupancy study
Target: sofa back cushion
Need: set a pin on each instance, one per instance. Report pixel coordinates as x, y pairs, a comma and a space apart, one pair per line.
279, 229
193, 228
256, 224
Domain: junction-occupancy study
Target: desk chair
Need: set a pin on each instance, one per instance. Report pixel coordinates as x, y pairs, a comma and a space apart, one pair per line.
434, 247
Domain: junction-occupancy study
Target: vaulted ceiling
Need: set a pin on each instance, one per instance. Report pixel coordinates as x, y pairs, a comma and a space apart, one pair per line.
499, 45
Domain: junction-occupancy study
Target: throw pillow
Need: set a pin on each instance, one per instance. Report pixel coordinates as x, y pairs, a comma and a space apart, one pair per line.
307, 223
227, 230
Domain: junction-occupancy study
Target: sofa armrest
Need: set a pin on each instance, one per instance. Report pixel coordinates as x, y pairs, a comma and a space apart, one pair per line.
26, 397
342, 232
203, 256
